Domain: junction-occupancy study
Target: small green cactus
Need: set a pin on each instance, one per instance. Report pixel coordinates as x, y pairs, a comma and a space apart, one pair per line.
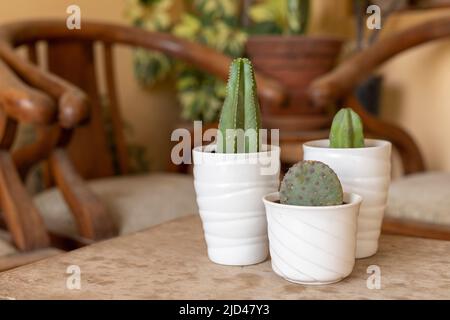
311, 183
346, 130
240, 111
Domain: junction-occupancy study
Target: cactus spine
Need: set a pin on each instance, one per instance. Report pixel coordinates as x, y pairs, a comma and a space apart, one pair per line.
240, 111
311, 183
346, 130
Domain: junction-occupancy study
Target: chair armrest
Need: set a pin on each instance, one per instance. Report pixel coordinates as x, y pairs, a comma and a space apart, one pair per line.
23, 103
198, 55
340, 82
73, 105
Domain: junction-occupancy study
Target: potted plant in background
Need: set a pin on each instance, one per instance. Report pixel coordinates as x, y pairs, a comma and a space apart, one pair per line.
363, 166
279, 47
215, 24
312, 225
232, 175
270, 32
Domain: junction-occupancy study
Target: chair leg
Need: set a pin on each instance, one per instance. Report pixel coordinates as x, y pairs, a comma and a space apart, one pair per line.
20, 215
94, 221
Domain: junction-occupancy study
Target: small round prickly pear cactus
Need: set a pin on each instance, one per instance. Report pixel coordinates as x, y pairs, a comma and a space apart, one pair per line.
311, 183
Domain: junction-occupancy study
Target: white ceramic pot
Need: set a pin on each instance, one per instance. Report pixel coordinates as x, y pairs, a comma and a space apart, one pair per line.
312, 245
229, 190
364, 171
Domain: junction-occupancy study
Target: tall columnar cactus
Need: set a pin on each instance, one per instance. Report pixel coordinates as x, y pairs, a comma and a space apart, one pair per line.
346, 130
311, 183
240, 112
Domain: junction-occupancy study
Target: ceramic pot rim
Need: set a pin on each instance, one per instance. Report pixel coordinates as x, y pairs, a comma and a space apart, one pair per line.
352, 200
370, 144
206, 151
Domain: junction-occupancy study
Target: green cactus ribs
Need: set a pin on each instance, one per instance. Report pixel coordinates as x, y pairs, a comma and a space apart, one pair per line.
240, 119
346, 130
311, 183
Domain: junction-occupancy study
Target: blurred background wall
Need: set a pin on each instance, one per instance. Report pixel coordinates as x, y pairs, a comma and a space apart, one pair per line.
416, 89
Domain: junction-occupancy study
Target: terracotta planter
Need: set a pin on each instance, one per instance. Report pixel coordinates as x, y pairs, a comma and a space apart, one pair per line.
295, 61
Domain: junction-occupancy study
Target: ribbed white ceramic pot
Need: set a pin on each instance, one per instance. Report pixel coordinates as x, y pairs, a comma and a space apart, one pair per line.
312, 245
364, 171
229, 190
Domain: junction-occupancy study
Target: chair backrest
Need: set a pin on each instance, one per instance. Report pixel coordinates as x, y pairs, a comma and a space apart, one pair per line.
89, 150
70, 55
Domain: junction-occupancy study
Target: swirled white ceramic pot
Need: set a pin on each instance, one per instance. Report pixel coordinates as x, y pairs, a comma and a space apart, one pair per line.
365, 171
312, 245
229, 190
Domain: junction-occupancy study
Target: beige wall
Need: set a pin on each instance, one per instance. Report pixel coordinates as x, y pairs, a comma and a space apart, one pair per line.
416, 91
146, 110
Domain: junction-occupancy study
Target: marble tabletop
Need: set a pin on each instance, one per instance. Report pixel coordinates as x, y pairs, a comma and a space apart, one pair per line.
169, 261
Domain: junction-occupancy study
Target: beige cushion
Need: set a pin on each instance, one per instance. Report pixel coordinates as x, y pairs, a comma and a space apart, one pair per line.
423, 197
134, 202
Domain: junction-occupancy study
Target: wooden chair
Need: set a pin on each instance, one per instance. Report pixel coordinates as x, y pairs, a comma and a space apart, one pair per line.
104, 206
419, 203
27, 240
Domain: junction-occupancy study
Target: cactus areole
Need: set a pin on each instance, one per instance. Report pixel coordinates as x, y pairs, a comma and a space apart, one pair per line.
311, 183
240, 119
346, 130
